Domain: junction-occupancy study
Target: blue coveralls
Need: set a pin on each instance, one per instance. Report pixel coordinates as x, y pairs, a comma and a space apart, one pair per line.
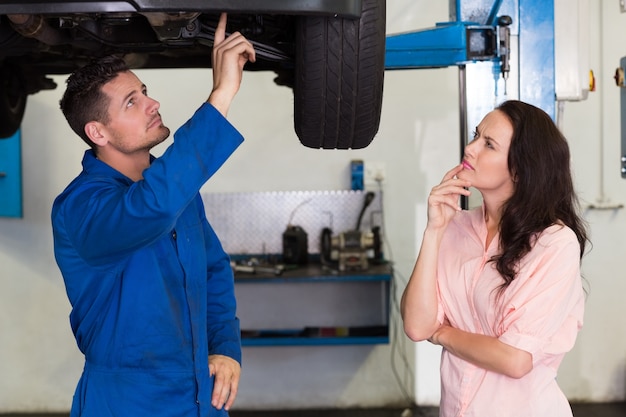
151, 288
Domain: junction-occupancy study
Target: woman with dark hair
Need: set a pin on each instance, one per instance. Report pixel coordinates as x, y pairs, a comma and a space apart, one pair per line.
499, 286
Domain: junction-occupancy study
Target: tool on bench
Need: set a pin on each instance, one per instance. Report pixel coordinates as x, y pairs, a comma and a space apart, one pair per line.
253, 267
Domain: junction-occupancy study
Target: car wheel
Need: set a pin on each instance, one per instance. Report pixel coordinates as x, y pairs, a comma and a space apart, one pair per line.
12, 101
339, 72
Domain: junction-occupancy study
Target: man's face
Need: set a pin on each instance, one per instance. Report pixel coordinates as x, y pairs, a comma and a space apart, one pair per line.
134, 121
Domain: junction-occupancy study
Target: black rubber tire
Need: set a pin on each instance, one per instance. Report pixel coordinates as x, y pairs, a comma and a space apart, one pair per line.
339, 74
13, 98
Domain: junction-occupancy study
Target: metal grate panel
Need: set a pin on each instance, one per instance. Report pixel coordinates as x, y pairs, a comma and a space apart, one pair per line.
253, 222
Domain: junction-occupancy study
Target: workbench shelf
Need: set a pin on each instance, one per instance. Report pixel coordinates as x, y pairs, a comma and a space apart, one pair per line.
313, 305
310, 341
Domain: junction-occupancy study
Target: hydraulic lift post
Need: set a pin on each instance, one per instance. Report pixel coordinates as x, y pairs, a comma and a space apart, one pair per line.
504, 49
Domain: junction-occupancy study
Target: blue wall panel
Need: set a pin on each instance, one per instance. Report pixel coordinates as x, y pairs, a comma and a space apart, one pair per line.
11, 176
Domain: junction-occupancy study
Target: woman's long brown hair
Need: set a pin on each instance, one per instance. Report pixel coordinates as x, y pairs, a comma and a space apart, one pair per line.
539, 163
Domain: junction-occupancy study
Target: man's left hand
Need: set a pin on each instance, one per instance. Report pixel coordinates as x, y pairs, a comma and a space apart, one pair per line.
227, 372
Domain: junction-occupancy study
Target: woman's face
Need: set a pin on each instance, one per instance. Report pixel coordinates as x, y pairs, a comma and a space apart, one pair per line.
485, 162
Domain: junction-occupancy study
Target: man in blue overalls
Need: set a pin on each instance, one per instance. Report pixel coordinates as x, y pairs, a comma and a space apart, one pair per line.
152, 290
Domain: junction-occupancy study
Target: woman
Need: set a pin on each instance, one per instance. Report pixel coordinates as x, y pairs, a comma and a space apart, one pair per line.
499, 286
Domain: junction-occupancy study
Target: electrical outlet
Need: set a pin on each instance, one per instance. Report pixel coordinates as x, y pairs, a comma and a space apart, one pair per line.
373, 173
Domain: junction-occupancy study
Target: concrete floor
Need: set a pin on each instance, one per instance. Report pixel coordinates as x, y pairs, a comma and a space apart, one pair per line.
580, 410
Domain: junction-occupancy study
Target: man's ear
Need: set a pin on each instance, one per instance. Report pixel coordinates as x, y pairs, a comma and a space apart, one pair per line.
95, 131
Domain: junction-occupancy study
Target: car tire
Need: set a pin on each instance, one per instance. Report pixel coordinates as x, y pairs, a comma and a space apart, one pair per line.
339, 73
13, 98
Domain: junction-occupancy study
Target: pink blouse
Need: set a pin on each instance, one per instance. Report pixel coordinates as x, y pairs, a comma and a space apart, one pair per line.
540, 312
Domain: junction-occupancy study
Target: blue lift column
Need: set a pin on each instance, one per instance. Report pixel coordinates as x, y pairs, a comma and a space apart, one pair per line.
532, 75
504, 49
11, 176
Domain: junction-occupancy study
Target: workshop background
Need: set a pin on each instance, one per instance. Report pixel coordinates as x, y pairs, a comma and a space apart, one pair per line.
417, 142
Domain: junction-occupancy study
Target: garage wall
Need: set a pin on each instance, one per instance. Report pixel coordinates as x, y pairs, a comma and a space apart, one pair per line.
417, 142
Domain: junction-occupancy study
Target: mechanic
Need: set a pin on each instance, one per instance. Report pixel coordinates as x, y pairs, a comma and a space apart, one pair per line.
151, 289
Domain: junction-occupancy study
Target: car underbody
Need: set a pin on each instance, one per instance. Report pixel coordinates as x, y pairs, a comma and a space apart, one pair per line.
316, 48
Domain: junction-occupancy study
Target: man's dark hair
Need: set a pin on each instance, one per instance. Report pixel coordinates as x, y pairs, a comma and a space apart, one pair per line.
83, 100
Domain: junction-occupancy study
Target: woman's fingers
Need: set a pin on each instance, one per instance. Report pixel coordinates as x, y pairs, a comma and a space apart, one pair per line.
444, 198
452, 173
448, 193
453, 186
